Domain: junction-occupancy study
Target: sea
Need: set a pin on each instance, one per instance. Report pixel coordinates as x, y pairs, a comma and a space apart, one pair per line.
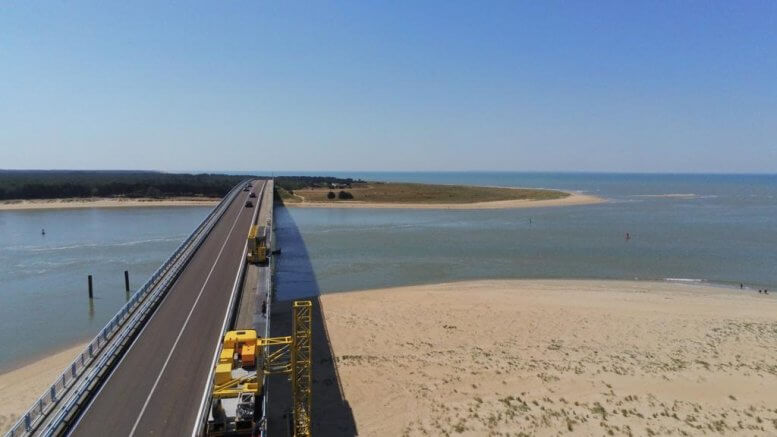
689, 228
44, 302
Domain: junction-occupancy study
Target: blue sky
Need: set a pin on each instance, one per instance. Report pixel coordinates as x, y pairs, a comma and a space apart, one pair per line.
402, 85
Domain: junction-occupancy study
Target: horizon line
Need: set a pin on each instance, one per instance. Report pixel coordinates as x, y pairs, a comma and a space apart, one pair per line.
288, 172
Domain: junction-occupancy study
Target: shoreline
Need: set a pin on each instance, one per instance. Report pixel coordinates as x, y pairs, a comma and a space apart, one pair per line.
102, 202
650, 344
572, 199
22, 385
708, 286
587, 357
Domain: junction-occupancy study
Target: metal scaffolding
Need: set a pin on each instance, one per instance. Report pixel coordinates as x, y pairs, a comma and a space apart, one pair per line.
301, 373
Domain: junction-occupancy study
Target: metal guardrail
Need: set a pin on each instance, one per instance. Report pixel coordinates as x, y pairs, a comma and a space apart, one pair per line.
270, 283
202, 416
120, 328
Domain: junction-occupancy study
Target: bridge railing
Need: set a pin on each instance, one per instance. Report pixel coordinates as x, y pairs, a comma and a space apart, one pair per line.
124, 323
270, 283
202, 415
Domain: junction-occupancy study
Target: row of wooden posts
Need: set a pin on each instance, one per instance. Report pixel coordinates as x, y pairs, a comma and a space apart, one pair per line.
126, 284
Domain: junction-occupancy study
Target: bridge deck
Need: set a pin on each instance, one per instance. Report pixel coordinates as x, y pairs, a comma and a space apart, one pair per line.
255, 286
157, 387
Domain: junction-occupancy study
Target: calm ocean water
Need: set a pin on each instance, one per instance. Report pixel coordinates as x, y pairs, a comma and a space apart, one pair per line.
712, 228
719, 229
43, 287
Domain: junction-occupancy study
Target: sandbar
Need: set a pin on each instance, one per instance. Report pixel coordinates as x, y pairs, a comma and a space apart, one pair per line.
550, 357
572, 199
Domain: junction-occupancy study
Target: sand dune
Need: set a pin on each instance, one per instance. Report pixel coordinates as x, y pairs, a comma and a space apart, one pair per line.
557, 357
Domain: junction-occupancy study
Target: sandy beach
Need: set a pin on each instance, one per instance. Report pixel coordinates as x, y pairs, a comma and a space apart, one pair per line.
535, 357
20, 387
99, 202
544, 357
572, 199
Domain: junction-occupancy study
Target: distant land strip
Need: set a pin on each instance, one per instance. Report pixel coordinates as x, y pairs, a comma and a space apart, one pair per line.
105, 202
363, 194
91, 188
67, 189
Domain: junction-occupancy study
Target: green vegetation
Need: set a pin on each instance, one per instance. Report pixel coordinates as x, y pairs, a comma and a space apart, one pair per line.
58, 184
283, 195
291, 183
379, 192
344, 195
285, 186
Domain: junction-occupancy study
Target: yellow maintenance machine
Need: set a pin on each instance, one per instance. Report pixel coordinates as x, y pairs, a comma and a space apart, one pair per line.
244, 361
257, 245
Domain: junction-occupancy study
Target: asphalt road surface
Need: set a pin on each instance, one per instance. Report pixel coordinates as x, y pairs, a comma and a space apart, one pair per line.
157, 387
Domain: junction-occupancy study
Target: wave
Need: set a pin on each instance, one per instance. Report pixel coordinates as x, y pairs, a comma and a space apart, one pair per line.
686, 280
96, 245
677, 196
670, 195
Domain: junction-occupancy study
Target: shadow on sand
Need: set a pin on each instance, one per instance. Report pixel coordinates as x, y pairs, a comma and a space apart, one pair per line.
295, 279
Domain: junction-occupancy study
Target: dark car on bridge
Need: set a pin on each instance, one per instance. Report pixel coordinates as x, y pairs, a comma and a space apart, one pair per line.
249, 204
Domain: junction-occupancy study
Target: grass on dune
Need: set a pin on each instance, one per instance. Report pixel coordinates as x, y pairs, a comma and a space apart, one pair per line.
379, 192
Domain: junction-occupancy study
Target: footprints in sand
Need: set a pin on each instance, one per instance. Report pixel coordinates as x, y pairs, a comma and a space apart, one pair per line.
555, 362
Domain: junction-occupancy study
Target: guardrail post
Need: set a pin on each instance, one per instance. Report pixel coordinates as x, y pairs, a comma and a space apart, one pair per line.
158, 283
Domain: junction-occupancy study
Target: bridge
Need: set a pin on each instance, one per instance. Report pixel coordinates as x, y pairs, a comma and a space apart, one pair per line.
150, 370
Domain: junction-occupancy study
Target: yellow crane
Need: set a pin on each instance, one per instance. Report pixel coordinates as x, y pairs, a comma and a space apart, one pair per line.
301, 367
257, 245
244, 355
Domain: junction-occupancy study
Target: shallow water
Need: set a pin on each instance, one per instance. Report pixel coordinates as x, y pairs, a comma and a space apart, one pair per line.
43, 278
720, 229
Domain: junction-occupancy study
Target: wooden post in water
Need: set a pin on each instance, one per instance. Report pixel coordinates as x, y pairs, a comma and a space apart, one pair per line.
126, 281
90, 287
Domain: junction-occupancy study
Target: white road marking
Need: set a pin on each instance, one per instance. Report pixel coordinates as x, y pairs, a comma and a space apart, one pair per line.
223, 328
183, 328
118, 364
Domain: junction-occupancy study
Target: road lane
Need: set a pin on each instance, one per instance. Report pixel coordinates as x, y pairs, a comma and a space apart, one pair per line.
166, 367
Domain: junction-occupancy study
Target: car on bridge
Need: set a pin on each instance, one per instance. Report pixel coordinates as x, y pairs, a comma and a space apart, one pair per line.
249, 204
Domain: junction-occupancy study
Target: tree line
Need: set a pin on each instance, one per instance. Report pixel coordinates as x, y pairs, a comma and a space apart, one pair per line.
290, 183
57, 184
